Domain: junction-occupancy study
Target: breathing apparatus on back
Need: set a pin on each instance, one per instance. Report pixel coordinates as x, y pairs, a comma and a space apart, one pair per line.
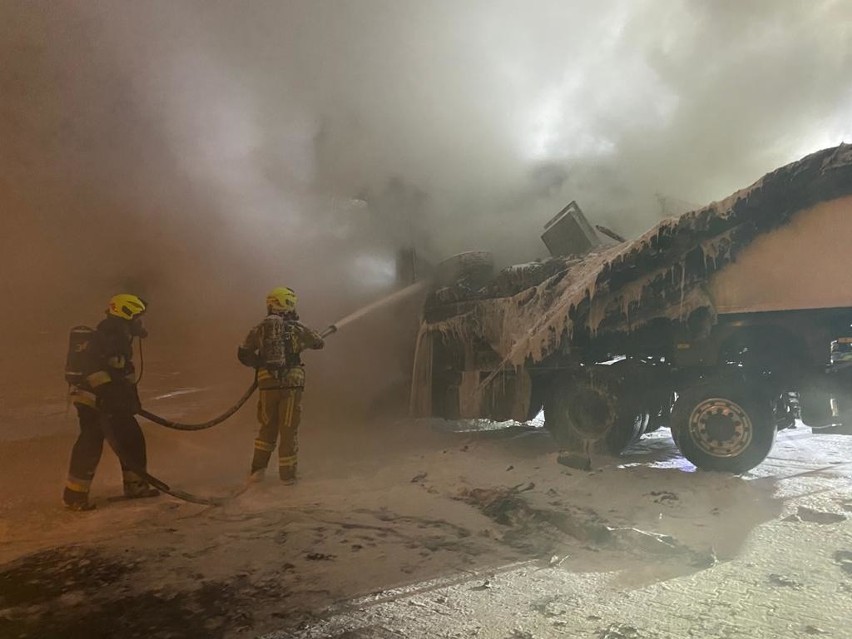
278, 350
80, 359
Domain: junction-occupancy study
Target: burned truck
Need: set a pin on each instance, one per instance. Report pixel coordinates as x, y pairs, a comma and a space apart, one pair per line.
724, 323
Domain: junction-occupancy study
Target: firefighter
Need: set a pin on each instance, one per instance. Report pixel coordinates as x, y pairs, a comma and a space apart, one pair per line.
106, 401
274, 348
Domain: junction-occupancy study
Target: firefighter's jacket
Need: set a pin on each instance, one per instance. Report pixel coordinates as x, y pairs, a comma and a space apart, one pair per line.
291, 374
109, 369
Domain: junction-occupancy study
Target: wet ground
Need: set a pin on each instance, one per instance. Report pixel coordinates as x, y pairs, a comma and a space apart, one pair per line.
413, 530
766, 555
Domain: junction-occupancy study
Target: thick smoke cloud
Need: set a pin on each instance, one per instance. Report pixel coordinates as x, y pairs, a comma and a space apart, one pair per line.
201, 152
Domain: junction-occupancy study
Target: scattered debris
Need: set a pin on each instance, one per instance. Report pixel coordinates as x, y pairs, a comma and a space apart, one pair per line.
782, 580
368, 632
485, 585
619, 631
553, 607
654, 542
843, 558
814, 630
532, 529
556, 560
663, 496
319, 556
707, 560
819, 516
571, 460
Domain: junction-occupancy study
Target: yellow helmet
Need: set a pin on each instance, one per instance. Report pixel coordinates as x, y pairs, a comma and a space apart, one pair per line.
126, 306
281, 300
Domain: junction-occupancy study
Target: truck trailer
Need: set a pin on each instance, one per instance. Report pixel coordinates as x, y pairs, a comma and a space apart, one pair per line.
727, 324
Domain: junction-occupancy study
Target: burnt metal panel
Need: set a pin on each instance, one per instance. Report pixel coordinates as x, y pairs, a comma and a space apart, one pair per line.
569, 233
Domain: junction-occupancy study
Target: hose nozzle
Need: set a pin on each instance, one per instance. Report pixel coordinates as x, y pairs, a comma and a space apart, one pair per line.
328, 331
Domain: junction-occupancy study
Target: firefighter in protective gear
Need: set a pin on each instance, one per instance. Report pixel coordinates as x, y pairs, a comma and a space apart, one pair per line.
274, 348
106, 401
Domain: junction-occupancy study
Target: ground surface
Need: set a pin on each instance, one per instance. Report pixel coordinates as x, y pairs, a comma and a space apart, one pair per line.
411, 530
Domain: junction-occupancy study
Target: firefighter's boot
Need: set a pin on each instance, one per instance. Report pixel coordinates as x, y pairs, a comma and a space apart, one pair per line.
257, 476
260, 460
137, 488
77, 500
287, 469
287, 474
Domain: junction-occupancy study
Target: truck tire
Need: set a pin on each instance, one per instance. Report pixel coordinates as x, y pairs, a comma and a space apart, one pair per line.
472, 269
723, 425
627, 430
660, 414
591, 416
578, 414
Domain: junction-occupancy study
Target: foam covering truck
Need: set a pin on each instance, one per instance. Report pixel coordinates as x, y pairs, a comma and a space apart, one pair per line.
727, 324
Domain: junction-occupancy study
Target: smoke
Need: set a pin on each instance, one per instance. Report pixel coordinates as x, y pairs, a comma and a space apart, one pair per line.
202, 152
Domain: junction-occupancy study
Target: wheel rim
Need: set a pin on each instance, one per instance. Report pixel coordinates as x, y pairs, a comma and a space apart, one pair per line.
720, 427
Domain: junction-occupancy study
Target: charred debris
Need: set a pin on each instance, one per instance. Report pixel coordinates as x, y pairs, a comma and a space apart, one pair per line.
565, 301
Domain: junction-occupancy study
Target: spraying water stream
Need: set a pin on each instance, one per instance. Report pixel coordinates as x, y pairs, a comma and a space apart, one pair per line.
385, 301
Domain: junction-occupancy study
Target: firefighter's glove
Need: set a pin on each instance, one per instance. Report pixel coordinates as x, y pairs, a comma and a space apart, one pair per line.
248, 358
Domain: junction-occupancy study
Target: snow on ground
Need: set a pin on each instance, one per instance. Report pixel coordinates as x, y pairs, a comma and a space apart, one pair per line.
406, 530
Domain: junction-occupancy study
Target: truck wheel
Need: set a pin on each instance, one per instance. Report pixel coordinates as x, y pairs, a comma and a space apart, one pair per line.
580, 412
626, 431
591, 415
723, 426
473, 269
660, 414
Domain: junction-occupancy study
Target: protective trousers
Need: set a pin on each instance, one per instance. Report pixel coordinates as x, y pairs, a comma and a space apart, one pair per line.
279, 411
89, 446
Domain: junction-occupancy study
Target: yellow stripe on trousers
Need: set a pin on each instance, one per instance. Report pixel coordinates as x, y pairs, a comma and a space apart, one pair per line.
78, 485
289, 460
288, 415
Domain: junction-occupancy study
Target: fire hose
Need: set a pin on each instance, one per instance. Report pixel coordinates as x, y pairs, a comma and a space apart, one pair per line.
162, 421
112, 440
160, 484
217, 501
